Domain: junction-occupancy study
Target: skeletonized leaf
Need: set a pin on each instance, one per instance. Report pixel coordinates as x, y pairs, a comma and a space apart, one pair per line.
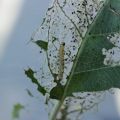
95, 67
89, 73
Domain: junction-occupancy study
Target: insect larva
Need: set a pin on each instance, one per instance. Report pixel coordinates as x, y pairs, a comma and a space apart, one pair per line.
61, 61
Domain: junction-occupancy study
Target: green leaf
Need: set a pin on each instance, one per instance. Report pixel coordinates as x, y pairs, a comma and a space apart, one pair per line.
88, 72
16, 110
30, 74
57, 92
42, 44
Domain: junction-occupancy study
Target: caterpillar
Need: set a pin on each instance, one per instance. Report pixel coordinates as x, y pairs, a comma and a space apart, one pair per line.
61, 61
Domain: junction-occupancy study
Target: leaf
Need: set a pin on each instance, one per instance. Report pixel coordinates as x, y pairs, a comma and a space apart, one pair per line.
57, 92
30, 74
88, 72
16, 110
42, 44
